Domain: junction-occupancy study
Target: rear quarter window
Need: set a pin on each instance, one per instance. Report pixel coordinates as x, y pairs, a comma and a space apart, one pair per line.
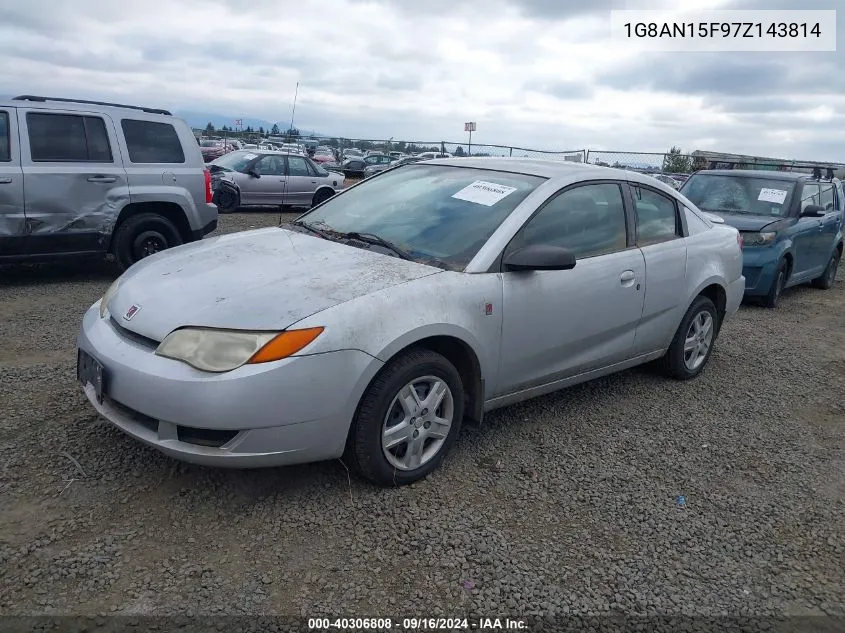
152, 142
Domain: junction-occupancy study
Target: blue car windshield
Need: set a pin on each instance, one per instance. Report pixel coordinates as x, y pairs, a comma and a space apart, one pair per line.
431, 211
724, 193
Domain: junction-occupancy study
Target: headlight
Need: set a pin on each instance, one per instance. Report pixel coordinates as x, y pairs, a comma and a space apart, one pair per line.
104, 302
225, 350
759, 239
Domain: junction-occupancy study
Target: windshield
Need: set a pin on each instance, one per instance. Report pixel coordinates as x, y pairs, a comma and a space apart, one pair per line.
234, 161
209, 144
739, 194
433, 211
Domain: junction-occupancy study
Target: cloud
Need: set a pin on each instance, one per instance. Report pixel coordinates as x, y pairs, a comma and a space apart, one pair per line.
531, 73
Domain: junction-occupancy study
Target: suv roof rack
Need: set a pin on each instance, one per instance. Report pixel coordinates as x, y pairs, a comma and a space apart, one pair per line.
102, 103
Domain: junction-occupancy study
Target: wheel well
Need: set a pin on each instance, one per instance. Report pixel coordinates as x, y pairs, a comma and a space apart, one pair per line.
169, 210
719, 297
324, 189
466, 362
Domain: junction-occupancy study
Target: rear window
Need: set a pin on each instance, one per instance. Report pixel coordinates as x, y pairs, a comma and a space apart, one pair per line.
68, 138
152, 142
5, 144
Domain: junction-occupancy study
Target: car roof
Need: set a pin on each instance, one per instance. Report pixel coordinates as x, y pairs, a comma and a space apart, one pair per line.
543, 167
757, 173
115, 110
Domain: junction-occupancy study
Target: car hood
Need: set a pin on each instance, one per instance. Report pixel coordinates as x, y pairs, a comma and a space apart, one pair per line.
743, 222
266, 279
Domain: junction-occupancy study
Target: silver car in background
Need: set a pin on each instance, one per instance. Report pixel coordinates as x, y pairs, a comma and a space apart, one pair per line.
269, 178
371, 326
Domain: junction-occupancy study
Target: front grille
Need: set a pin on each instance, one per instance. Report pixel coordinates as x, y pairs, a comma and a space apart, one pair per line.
143, 341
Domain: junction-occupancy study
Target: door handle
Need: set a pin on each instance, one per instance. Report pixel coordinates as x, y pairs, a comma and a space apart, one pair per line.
313, 182
627, 278
105, 179
5, 181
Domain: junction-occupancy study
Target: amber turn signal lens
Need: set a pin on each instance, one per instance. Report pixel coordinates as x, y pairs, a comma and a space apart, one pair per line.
285, 344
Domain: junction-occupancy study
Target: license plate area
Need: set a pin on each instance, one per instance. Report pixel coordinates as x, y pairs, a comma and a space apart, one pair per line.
89, 371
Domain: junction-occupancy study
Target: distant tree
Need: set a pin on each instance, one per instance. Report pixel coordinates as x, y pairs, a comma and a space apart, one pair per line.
275, 130
248, 129
261, 129
676, 162
459, 151
618, 165
401, 146
332, 142
365, 145
292, 132
209, 128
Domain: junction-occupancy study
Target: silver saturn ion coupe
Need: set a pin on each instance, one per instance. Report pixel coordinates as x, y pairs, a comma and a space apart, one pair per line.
372, 325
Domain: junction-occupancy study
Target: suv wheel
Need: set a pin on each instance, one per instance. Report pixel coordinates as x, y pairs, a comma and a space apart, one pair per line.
772, 299
825, 282
143, 235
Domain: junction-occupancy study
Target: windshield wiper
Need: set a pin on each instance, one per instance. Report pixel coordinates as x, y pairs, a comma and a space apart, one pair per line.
313, 228
372, 238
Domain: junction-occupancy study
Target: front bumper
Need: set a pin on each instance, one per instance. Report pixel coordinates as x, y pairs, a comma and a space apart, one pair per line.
291, 411
759, 266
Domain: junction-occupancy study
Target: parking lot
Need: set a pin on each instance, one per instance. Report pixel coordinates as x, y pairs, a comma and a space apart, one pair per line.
565, 504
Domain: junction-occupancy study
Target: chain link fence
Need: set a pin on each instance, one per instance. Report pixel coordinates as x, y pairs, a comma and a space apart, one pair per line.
672, 163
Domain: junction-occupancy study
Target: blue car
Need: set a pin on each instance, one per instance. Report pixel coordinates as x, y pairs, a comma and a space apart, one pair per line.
791, 224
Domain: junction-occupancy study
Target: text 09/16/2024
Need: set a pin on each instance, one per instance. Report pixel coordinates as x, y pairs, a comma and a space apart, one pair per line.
725, 31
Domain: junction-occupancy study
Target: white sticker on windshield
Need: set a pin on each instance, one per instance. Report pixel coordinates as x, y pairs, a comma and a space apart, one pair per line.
250, 156
772, 195
483, 192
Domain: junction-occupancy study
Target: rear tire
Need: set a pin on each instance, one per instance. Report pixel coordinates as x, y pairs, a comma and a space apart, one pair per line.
825, 282
227, 200
321, 196
142, 235
772, 299
390, 412
690, 350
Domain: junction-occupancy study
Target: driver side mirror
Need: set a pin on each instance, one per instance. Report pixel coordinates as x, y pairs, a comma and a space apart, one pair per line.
253, 173
540, 257
813, 211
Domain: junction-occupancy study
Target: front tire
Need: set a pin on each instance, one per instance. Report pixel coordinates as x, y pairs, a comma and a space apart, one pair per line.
692, 345
408, 419
825, 282
772, 299
143, 235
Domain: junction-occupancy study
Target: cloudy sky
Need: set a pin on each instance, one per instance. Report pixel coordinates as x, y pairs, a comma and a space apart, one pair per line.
535, 73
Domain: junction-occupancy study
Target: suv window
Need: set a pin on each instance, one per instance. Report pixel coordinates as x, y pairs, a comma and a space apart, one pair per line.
657, 216
297, 166
828, 196
810, 194
152, 142
5, 143
589, 220
67, 138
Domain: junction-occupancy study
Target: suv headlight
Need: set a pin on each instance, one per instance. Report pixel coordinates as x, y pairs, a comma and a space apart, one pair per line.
224, 350
104, 302
763, 238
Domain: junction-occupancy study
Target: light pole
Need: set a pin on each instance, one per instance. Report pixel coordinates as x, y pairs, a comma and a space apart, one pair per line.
469, 127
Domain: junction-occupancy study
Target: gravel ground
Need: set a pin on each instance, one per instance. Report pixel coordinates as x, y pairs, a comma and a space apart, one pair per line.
565, 504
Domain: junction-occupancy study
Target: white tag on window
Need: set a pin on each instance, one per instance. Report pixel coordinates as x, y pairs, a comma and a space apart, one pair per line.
772, 195
483, 192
